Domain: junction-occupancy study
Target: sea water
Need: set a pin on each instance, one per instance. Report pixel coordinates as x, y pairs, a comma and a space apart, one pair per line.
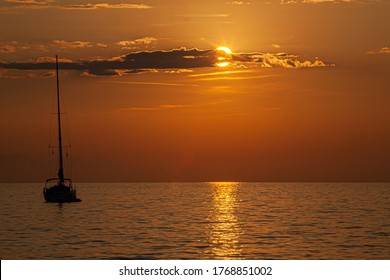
198, 221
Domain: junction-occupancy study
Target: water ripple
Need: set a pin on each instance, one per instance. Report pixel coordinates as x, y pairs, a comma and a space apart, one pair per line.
198, 221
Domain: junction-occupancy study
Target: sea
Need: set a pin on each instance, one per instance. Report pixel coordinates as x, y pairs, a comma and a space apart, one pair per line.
207, 221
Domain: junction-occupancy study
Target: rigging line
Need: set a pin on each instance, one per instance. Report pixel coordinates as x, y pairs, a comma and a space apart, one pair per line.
61, 167
51, 136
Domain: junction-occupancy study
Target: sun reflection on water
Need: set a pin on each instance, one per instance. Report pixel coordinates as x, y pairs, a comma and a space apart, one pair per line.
225, 230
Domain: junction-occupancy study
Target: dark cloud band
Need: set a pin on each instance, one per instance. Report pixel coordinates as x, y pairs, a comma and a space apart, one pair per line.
181, 58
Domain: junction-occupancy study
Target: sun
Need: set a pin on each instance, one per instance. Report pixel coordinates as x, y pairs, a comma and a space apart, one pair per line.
224, 56
224, 49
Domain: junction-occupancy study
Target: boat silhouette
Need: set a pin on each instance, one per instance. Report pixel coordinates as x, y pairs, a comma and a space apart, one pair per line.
59, 189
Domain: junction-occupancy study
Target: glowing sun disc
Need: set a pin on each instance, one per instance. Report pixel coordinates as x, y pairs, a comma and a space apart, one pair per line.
224, 49
224, 56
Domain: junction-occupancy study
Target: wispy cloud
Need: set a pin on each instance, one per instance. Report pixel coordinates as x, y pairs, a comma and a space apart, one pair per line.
115, 72
155, 83
50, 4
230, 75
220, 73
178, 71
49, 59
106, 6
205, 15
7, 74
238, 3
234, 77
31, 2
158, 108
384, 50
93, 72
164, 107
137, 43
77, 44
7, 49
14, 46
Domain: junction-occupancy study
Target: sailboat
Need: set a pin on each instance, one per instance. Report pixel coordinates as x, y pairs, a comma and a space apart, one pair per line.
59, 189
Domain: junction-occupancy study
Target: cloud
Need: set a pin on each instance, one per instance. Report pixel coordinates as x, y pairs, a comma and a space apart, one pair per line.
205, 15
384, 50
159, 108
30, 2
12, 46
76, 44
26, 4
106, 6
283, 60
173, 61
101, 72
141, 42
140, 71
174, 106
114, 72
239, 3
6, 74
47, 4
7, 49
154, 84
44, 59
229, 75
221, 73
178, 71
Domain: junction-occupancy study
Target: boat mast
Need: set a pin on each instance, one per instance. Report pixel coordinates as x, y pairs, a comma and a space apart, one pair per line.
61, 166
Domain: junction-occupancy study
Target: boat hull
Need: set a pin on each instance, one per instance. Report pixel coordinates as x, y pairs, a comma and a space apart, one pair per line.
60, 194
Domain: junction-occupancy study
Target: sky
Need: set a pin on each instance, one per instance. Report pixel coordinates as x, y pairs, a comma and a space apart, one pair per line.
150, 95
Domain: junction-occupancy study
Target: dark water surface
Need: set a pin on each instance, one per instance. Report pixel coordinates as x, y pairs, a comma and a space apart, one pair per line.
198, 221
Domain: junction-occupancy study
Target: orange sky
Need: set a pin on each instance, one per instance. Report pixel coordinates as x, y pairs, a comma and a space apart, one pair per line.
304, 98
